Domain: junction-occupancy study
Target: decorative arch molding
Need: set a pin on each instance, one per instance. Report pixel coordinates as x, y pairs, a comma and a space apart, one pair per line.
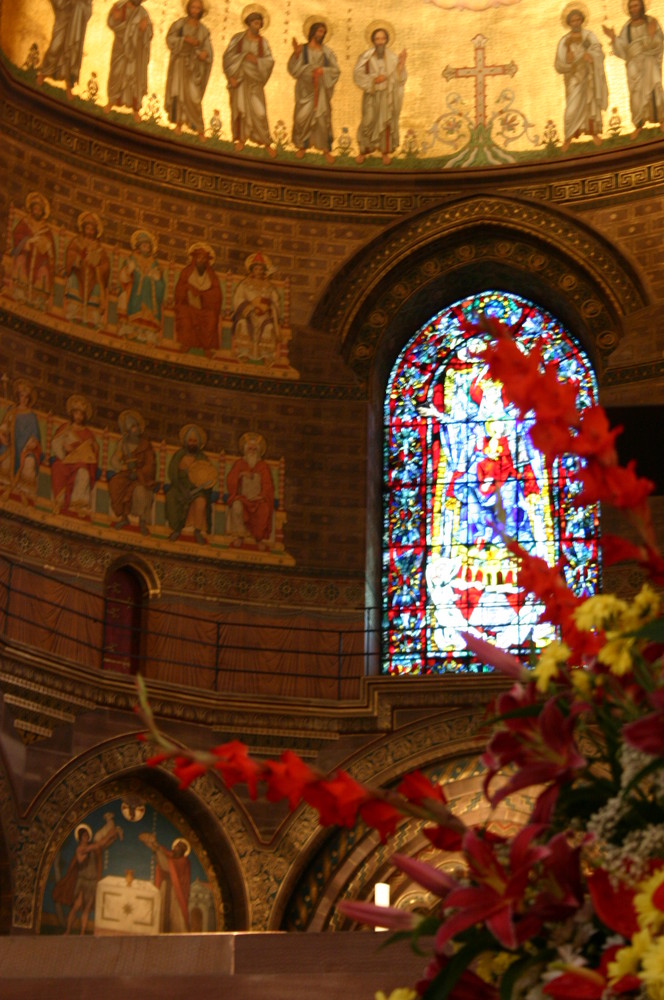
220, 831
327, 861
144, 570
399, 280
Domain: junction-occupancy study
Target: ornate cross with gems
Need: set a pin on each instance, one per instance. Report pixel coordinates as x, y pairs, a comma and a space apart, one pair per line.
480, 71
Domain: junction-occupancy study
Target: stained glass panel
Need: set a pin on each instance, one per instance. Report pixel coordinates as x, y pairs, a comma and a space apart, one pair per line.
461, 474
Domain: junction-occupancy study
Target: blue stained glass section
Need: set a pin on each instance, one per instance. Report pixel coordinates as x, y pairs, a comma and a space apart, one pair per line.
461, 475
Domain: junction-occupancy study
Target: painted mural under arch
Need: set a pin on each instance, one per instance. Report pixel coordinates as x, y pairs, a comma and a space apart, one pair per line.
461, 82
462, 479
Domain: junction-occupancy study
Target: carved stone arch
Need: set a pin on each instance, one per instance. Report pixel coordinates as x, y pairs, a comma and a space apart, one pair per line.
383, 294
394, 285
142, 568
108, 771
338, 864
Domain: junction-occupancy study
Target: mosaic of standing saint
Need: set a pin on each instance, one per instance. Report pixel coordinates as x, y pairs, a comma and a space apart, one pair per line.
316, 71
381, 76
197, 311
165, 77
580, 61
248, 65
101, 480
641, 44
189, 66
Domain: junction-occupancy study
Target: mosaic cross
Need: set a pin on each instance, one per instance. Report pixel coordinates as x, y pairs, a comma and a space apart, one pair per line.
480, 71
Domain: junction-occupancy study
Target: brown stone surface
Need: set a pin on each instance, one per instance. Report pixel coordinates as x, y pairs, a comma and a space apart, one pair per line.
342, 966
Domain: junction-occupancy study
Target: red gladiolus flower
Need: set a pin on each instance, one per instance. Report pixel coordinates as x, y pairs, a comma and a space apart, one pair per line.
287, 778
417, 788
337, 799
552, 439
236, 766
158, 758
596, 438
380, 816
613, 484
187, 771
617, 550
443, 838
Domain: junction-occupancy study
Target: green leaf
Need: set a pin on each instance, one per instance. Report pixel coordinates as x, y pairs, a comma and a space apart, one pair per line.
516, 970
441, 987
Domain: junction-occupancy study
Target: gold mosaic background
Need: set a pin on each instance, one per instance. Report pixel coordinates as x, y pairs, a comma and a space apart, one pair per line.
436, 33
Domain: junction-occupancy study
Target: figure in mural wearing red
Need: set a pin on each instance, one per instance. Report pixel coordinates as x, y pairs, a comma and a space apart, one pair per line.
78, 888
172, 876
198, 301
251, 494
33, 253
74, 454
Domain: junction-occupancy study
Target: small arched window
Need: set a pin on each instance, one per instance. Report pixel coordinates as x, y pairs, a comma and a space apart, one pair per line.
461, 474
124, 603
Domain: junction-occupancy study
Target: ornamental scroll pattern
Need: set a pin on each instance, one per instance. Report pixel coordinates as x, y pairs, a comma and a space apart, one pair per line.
566, 256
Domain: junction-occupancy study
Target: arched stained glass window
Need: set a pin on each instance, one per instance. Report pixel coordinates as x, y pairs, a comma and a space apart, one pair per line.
459, 463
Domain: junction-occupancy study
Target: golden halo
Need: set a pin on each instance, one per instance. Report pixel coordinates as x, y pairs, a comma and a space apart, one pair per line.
204, 4
198, 431
79, 402
83, 218
143, 236
252, 438
317, 19
258, 258
256, 8
187, 845
626, 6
83, 826
382, 23
205, 247
24, 383
130, 415
568, 10
37, 197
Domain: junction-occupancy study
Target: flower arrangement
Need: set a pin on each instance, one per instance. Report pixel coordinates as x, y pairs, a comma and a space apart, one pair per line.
572, 905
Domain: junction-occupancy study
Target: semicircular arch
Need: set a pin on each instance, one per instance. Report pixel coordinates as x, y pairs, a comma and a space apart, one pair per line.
395, 283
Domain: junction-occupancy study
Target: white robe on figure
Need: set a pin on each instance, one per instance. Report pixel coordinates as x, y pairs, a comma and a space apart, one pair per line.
312, 120
62, 60
128, 75
248, 107
643, 56
187, 74
586, 90
381, 102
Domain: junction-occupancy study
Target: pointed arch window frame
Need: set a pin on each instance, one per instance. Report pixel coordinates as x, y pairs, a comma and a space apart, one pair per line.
430, 592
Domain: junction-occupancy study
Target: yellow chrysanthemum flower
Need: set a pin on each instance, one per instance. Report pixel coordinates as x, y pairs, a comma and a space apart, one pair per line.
648, 915
549, 662
599, 612
581, 682
403, 993
616, 654
628, 959
652, 965
644, 608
